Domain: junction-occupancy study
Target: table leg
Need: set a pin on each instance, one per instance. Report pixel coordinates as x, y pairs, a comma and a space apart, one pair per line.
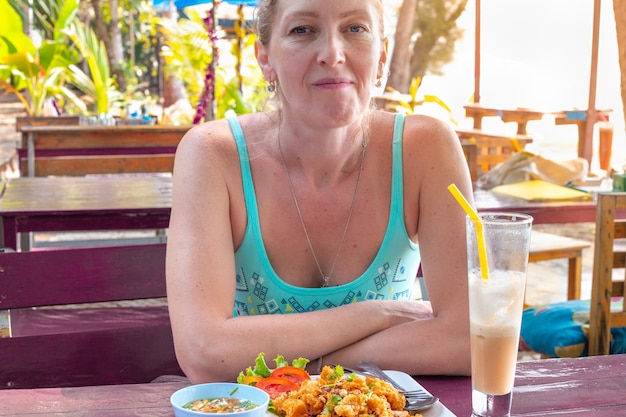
574, 276
9, 232
26, 241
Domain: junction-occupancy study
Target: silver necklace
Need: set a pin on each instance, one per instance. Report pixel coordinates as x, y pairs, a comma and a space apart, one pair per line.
325, 278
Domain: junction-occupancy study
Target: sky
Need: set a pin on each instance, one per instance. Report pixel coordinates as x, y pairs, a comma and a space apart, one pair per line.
536, 53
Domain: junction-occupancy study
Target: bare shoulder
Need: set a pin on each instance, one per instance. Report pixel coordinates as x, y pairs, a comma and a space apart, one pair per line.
207, 138
425, 130
432, 147
211, 146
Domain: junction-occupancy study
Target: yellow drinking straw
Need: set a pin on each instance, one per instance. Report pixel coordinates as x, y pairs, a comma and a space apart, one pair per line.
480, 238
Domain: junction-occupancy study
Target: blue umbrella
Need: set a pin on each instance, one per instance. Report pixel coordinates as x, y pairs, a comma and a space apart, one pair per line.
181, 4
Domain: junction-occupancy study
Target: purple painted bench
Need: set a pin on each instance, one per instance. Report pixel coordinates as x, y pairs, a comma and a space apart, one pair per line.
91, 344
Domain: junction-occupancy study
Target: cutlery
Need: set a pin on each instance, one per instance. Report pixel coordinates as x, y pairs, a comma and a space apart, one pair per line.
415, 399
417, 394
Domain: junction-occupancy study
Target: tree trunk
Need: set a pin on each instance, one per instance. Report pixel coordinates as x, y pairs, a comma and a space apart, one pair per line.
173, 87
400, 71
619, 9
115, 50
112, 38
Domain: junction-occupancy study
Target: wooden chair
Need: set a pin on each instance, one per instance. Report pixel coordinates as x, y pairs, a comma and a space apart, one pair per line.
491, 149
595, 326
56, 340
606, 258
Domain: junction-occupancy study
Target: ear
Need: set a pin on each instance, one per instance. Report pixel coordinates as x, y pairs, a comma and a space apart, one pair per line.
262, 57
384, 51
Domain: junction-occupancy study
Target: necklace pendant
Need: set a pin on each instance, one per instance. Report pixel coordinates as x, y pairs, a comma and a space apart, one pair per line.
325, 284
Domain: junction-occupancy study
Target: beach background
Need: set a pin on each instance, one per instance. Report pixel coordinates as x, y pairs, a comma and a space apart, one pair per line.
536, 54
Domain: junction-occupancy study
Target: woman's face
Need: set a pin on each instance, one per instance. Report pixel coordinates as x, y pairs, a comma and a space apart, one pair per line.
326, 56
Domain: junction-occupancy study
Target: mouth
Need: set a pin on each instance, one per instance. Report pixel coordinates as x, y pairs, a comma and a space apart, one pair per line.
333, 83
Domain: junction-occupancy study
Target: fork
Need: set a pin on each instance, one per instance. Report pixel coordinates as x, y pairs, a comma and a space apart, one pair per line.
415, 399
416, 394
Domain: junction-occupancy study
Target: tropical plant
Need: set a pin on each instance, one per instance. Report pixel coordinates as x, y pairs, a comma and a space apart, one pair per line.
36, 74
41, 14
416, 104
187, 53
98, 84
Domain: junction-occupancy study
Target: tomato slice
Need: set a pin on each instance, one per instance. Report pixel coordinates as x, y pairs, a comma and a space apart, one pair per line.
252, 379
291, 373
275, 386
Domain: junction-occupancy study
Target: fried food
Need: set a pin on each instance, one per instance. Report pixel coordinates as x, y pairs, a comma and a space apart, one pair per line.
334, 394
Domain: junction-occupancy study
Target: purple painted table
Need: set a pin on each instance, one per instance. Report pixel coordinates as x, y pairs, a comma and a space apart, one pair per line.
113, 202
118, 202
593, 386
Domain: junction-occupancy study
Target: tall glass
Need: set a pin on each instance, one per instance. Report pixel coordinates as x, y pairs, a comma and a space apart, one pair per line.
495, 306
605, 130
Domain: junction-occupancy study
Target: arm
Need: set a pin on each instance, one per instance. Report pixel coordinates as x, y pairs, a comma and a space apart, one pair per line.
433, 159
211, 344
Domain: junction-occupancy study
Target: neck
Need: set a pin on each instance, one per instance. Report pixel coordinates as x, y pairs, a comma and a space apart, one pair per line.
322, 159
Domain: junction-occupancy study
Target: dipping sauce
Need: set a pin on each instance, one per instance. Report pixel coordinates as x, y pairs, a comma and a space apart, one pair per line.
220, 405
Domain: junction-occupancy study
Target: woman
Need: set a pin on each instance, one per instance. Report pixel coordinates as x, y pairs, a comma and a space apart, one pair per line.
324, 203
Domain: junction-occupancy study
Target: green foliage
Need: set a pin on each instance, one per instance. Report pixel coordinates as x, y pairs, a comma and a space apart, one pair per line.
186, 51
98, 84
37, 72
187, 54
416, 103
437, 32
45, 13
252, 94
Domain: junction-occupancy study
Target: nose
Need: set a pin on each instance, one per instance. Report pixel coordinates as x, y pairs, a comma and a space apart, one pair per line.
331, 50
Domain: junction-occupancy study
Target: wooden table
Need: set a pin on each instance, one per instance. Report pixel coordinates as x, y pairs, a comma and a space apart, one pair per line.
521, 116
131, 202
592, 386
570, 211
115, 202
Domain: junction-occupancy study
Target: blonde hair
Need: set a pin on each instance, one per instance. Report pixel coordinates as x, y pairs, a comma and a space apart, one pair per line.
265, 14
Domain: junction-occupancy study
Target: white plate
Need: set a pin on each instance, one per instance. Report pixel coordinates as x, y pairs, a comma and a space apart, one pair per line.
407, 382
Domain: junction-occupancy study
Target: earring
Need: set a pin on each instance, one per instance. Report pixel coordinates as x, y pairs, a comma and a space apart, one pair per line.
378, 83
271, 86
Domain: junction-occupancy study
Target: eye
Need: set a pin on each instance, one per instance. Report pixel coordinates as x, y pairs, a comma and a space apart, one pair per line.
356, 28
300, 30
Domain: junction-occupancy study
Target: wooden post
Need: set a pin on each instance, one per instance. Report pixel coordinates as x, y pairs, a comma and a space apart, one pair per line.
593, 80
477, 55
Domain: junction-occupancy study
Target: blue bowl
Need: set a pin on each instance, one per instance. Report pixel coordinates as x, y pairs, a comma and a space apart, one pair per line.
219, 390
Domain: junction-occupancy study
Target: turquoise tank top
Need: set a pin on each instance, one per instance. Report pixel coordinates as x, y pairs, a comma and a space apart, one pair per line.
390, 276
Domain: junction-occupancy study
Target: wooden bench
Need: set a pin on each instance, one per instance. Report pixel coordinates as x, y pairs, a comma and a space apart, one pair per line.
81, 150
74, 344
548, 246
492, 148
